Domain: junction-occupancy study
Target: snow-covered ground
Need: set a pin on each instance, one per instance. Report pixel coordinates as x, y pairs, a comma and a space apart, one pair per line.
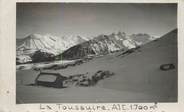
43, 64
137, 78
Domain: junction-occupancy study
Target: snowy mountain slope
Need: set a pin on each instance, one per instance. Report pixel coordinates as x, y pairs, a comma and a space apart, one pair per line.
139, 72
137, 78
104, 44
148, 77
46, 43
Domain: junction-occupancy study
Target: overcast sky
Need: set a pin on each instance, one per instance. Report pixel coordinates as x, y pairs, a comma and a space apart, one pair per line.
92, 19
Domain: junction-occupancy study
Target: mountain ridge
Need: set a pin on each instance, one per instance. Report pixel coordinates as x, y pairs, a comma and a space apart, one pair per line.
104, 44
47, 43
99, 45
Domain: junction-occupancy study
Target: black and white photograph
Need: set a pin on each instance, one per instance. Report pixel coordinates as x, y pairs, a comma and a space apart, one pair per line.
96, 52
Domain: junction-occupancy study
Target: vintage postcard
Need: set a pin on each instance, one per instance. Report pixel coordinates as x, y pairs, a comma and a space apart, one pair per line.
92, 56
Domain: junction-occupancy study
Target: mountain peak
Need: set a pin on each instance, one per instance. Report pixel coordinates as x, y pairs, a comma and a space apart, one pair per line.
35, 36
47, 43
